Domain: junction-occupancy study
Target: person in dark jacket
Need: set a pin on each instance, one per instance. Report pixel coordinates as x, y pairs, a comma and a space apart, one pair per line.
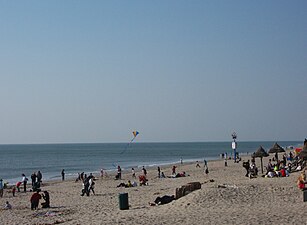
46, 197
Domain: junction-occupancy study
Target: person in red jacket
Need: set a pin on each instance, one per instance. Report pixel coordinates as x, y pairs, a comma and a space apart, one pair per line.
35, 200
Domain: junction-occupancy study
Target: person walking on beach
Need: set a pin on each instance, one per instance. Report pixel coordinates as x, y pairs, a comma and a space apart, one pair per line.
91, 185
205, 162
85, 187
39, 176
133, 173
63, 174
159, 172
35, 200
144, 171
206, 170
119, 172
246, 166
1, 188
33, 178
24, 181
13, 191
174, 170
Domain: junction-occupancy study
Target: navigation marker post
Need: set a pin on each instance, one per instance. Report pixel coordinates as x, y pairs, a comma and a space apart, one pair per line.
234, 146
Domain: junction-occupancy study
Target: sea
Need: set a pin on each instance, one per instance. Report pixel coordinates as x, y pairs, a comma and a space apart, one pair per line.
50, 159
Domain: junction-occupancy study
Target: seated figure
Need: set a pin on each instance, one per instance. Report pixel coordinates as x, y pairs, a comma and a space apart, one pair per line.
143, 180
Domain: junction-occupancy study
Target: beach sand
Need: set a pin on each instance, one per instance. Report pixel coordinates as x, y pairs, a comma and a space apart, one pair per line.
242, 201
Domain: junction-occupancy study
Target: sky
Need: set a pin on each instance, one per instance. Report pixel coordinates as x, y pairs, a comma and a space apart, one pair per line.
176, 71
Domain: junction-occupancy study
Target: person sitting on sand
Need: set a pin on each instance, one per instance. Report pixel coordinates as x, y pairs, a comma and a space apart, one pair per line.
46, 197
121, 185
143, 180
162, 175
271, 174
129, 184
270, 166
301, 181
197, 164
134, 184
282, 172
180, 174
7, 205
253, 170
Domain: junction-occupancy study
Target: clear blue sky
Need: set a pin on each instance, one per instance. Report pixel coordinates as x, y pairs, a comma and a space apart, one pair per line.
94, 71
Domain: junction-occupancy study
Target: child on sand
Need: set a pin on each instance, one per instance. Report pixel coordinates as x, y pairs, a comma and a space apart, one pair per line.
18, 186
174, 170
14, 191
7, 205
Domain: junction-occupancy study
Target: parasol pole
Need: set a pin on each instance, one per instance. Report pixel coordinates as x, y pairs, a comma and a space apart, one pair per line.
261, 165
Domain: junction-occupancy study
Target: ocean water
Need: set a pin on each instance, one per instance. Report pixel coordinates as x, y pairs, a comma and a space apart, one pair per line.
50, 159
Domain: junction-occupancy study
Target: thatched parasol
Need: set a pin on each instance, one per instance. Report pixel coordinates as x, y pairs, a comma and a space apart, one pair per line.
260, 153
276, 149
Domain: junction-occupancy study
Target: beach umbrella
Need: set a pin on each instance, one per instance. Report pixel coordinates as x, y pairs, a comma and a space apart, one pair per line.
260, 153
297, 150
276, 149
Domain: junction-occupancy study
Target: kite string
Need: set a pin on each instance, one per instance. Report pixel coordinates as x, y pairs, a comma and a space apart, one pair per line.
127, 145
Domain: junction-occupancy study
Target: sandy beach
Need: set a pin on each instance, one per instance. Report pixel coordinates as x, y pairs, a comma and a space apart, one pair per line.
240, 201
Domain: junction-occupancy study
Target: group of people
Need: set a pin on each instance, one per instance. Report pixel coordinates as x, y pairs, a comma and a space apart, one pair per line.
278, 169
35, 198
274, 168
36, 179
128, 185
142, 178
88, 185
251, 168
206, 169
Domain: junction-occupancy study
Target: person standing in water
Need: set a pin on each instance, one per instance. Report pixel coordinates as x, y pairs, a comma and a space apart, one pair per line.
63, 174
